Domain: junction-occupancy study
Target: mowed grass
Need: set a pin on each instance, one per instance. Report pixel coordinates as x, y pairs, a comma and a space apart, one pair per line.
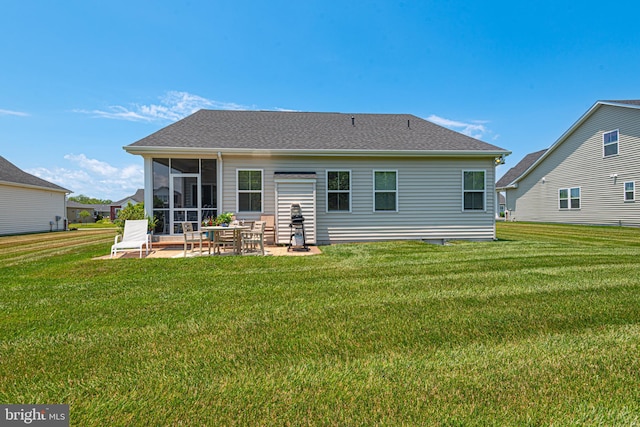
541, 327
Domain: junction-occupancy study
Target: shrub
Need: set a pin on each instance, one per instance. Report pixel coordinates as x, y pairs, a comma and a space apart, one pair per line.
133, 212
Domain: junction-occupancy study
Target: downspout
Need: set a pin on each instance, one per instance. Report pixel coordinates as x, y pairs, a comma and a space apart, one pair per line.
219, 186
148, 186
496, 211
65, 220
496, 198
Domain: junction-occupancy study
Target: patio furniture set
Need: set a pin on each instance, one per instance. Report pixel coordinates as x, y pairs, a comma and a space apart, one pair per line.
238, 237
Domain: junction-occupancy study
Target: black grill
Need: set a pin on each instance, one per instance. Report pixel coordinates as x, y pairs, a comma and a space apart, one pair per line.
297, 239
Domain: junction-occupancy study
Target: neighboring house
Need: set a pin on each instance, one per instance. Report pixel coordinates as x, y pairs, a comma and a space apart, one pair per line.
357, 177
502, 205
138, 197
588, 176
103, 211
29, 204
512, 174
74, 209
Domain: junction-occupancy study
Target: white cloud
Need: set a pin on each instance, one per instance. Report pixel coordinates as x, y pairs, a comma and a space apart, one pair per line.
12, 113
173, 106
93, 165
475, 128
94, 178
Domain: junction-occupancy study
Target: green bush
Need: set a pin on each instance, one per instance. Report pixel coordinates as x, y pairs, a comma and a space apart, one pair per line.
133, 212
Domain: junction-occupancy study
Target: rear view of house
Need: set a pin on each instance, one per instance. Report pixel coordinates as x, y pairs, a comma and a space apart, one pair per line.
29, 204
588, 176
357, 177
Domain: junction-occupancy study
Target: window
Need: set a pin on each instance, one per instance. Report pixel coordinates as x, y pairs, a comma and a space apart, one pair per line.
338, 191
473, 190
569, 198
629, 191
249, 191
385, 191
610, 143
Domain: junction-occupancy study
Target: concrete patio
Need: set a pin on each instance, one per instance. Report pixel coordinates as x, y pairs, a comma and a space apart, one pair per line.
176, 250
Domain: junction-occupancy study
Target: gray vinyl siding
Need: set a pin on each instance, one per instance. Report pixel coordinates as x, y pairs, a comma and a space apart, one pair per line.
578, 162
429, 197
28, 210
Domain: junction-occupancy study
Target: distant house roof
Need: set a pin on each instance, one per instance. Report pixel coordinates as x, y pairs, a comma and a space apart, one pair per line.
75, 205
138, 197
12, 174
277, 131
520, 171
522, 166
97, 208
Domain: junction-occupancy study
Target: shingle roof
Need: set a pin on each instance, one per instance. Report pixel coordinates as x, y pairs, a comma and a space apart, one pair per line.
98, 207
277, 130
522, 166
13, 174
138, 197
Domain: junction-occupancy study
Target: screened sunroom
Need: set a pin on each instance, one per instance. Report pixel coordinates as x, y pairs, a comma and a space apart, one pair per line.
183, 190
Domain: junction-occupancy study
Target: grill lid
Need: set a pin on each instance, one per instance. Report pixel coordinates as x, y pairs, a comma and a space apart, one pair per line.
296, 213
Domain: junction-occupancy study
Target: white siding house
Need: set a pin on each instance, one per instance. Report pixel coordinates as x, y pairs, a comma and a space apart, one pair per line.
588, 176
358, 177
29, 204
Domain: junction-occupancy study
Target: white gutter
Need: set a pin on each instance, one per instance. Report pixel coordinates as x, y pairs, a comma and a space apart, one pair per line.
306, 152
508, 187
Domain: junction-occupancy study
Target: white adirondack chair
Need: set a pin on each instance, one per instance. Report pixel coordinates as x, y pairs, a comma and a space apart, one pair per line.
134, 237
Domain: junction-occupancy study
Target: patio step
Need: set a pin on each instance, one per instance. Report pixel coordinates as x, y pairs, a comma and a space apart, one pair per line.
164, 243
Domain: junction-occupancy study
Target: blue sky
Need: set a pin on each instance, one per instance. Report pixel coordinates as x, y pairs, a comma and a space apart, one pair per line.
81, 79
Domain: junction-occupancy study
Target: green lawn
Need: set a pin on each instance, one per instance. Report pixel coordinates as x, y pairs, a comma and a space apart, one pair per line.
541, 327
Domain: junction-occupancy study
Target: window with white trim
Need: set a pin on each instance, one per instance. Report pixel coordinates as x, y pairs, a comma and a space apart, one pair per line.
250, 190
569, 198
629, 191
473, 190
338, 191
385, 191
610, 143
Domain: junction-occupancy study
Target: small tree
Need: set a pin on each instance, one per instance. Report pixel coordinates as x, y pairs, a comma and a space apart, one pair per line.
84, 215
133, 212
